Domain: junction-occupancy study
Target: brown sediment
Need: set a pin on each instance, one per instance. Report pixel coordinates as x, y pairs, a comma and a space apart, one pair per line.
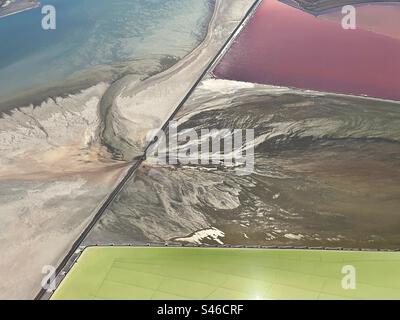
85, 79
326, 174
45, 217
146, 106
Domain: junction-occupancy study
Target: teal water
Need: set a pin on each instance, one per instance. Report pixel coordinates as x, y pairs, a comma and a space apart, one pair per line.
94, 32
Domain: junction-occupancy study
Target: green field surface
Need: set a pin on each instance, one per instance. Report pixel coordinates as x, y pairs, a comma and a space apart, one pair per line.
218, 273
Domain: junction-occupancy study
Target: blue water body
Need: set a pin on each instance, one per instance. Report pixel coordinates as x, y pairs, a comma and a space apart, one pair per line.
93, 32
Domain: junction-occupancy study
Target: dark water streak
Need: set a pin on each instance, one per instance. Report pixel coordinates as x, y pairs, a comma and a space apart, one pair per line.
327, 174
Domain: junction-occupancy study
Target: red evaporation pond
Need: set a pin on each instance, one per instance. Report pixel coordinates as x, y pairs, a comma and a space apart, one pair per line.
285, 46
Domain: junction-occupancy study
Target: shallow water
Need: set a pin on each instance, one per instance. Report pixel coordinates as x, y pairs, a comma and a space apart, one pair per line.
91, 33
327, 173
